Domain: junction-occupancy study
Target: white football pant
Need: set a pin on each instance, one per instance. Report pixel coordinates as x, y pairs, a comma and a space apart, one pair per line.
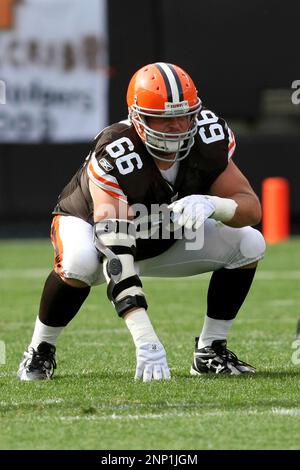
221, 247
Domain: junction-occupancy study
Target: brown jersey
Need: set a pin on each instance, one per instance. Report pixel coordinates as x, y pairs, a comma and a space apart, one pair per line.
120, 164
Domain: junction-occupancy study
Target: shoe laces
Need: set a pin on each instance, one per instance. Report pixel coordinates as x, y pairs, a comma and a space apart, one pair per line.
225, 353
40, 358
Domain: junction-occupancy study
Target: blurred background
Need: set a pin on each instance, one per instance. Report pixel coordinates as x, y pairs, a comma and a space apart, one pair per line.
65, 67
64, 70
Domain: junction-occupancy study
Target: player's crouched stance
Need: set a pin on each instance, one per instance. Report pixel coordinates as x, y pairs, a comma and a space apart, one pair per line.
116, 245
170, 151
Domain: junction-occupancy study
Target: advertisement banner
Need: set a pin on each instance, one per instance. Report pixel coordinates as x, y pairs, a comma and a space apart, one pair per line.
53, 66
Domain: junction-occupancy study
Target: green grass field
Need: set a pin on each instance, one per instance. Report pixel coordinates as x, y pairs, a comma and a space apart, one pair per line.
93, 402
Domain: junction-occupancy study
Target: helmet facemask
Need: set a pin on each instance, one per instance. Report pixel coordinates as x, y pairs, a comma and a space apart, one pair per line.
163, 90
160, 143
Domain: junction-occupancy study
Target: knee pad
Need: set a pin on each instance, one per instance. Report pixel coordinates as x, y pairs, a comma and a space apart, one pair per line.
252, 244
80, 263
115, 241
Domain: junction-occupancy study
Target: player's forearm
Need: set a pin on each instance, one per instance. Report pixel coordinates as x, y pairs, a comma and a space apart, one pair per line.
248, 211
140, 327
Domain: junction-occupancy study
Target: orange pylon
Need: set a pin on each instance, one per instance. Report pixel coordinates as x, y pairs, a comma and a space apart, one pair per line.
6, 13
276, 209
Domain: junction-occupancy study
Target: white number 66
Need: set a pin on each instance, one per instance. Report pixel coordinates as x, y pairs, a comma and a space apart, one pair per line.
215, 129
124, 163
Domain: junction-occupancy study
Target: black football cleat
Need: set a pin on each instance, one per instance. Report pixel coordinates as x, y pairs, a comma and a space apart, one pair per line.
217, 359
38, 364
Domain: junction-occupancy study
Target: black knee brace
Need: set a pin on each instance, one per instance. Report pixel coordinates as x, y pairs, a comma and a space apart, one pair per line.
115, 240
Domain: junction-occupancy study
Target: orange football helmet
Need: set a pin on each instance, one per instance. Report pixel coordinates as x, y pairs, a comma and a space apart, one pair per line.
163, 90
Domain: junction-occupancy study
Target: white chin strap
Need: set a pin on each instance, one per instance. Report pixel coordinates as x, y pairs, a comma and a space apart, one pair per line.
160, 150
166, 145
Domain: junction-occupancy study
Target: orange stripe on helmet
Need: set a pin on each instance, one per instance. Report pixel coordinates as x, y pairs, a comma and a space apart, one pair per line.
151, 86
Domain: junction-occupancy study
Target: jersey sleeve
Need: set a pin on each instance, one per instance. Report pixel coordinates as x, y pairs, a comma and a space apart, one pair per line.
231, 143
215, 134
99, 171
119, 164
102, 168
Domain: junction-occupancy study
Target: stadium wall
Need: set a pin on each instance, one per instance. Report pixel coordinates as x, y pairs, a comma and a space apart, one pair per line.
31, 177
233, 53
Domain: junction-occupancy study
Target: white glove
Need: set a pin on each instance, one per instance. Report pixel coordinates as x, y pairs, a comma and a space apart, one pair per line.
192, 211
151, 362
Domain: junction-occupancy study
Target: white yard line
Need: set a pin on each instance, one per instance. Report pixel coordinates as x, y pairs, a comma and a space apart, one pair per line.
24, 273
102, 330
266, 275
169, 415
286, 411
283, 302
114, 415
46, 401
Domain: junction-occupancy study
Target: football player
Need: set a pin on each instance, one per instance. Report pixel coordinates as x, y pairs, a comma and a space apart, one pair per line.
173, 153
